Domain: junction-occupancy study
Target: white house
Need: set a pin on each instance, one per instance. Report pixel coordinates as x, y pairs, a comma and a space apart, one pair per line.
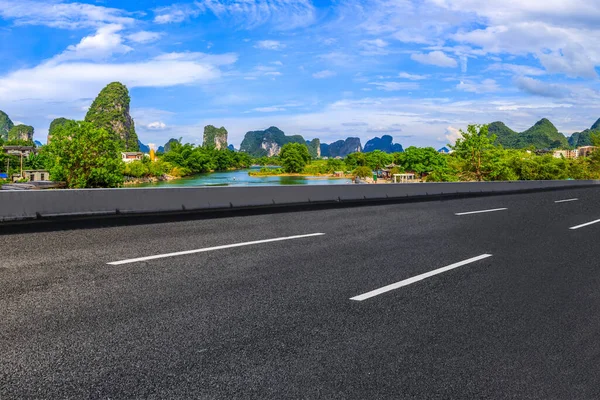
131, 156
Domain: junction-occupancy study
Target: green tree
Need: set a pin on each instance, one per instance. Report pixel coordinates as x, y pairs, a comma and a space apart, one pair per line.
294, 157
421, 160
84, 156
474, 148
362, 172
35, 161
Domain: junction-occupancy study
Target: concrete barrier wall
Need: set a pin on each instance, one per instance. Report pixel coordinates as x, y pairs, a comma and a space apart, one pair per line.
21, 205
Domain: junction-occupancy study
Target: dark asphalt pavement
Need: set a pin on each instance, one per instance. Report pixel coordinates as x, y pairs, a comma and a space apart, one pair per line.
275, 320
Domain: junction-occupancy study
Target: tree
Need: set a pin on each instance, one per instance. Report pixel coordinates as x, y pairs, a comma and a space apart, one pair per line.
474, 148
294, 157
362, 172
84, 156
35, 161
421, 160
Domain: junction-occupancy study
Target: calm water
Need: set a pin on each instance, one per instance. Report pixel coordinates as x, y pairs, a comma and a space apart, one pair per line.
241, 178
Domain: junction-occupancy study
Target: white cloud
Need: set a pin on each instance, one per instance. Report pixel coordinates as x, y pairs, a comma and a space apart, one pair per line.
485, 86
563, 35
279, 14
452, 134
411, 77
103, 44
70, 81
61, 15
156, 126
517, 69
144, 37
437, 58
571, 60
270, 45
539, 88
268, 109
395, 86
374, 47
324, 74
213, 59
175, 13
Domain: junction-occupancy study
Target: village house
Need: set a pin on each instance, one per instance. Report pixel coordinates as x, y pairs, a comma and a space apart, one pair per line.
130, 156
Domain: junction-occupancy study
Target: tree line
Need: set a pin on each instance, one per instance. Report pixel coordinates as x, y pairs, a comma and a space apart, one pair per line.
85, 156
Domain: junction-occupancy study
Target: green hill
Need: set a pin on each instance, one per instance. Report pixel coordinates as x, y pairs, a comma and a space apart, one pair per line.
268, 142
5, 125
110, 110
579, 139
504, 135
543, 135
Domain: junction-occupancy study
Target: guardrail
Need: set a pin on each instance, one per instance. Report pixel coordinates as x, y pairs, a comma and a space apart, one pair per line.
23, 205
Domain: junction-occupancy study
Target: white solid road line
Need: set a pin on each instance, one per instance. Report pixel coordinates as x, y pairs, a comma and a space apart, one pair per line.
482, 211
227, 246
565, 201
584, 225
417, 278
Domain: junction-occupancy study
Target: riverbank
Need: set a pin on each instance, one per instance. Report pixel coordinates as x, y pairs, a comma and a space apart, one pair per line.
132, 181
243, 178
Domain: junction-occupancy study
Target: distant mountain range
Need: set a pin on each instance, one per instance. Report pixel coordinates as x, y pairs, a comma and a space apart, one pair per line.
268, 142
341, 148
384, 143
543, 135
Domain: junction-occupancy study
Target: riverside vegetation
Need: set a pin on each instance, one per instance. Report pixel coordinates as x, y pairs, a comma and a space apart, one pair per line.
88, 153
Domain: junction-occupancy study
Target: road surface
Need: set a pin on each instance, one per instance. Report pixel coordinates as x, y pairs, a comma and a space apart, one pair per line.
492, 297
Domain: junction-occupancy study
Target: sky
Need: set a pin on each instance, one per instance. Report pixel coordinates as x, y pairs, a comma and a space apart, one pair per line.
418, 70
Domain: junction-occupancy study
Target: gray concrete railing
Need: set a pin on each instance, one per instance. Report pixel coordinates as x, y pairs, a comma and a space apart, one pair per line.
22, 205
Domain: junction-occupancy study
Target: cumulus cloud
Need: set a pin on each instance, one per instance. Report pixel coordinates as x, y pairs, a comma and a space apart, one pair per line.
539, 88
270, 45
156, 126
562, 35
104, 43
452, 134
437, 58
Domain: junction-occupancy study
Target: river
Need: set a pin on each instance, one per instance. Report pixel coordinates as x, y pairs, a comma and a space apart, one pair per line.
241, 178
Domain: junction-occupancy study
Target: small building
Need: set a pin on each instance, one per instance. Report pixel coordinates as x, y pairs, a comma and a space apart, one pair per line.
22, 151
36, 175
586, 151
130, 156
444, 150
566, 154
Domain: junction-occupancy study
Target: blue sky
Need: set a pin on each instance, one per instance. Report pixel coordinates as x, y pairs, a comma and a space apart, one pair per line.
416, 70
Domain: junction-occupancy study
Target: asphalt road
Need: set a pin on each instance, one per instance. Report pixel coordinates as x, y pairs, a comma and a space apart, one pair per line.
281, 319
